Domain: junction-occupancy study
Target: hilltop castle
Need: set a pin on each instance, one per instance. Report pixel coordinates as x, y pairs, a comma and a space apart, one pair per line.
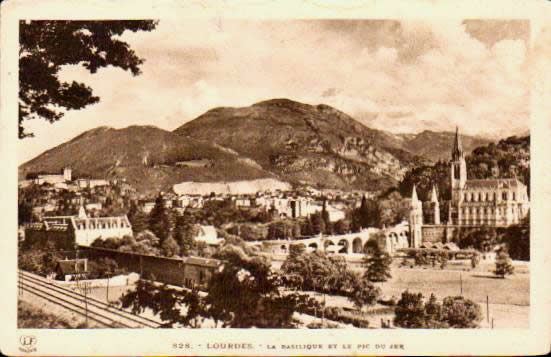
474, 203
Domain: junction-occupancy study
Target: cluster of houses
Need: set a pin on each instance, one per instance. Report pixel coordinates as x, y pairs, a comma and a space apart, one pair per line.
58, 191
64, 181
291, 204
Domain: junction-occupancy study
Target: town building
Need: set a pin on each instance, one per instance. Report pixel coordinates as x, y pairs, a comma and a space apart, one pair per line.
66, 231
91, 183
54, 178
208, 235
192, 272
71, 269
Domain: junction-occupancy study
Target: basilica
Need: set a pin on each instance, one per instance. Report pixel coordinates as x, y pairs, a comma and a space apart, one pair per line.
474, 203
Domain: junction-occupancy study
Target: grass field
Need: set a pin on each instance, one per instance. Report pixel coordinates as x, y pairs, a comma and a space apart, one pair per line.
513, 290
509, 299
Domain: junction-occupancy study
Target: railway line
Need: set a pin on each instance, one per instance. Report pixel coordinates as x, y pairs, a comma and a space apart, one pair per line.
96, 310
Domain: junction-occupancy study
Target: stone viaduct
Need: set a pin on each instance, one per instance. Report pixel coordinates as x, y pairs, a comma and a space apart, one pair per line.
352, 243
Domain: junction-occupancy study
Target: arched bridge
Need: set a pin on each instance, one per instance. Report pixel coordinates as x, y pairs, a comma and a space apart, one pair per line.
352, 243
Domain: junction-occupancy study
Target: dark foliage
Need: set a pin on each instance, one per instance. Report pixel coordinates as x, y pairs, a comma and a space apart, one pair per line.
377, 264
504, 265
243, 293
454, 312
47, 45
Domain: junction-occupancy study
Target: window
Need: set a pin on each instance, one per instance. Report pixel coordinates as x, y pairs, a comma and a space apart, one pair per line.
504, 196
514, 196
495, 196
466, 197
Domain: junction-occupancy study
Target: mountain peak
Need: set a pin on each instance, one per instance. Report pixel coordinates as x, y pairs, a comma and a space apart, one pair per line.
314, 144
278, 102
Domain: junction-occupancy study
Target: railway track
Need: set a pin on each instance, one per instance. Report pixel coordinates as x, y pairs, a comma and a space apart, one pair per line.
96, 310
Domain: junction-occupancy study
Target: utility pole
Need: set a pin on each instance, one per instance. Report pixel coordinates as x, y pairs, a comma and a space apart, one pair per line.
461, 283
323, 312
86, 300
107, 292
84, 287
488, 309
20, 284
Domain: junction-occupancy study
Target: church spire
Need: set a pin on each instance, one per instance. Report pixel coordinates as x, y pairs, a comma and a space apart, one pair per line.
457, 151
414, 195
81, 210
434, 197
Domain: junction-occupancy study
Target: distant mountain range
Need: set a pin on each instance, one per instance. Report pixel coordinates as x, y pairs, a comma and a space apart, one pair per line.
278, 139
436, 146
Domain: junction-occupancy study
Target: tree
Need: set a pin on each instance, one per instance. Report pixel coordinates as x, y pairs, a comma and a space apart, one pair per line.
443, 258
325, 217
318, 223
277, 230
170, 248
166, 302
368, 214
410, 311
420, 259
475, 260
159, 221
243, 292
459, 312
364, 294
185, 231
137, 218
433, 313
342, 226
145, 243
377, 266
454, 312
393, 209
306, 228
103, 267
517, 239
504, 264
48, 45
319, 272
24, 212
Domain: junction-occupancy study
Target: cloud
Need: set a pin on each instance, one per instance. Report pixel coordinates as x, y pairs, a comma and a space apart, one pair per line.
441, 73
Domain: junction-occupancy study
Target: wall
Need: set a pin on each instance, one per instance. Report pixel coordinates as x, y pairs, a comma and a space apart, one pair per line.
166, 270
434, 234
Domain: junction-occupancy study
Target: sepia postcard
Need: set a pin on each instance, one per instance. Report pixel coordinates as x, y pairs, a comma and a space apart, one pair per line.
275, 178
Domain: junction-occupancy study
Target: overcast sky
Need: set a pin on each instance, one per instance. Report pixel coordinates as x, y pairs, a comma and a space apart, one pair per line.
392, 75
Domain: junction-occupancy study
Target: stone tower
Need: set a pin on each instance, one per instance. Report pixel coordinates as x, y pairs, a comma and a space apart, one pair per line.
415, 220
435, 207
458, 172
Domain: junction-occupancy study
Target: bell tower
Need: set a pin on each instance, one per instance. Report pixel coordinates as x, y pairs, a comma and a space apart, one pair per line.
415, 220
458, 168
435, 206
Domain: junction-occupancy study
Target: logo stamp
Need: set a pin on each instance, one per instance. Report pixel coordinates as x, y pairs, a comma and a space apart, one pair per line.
28, 343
